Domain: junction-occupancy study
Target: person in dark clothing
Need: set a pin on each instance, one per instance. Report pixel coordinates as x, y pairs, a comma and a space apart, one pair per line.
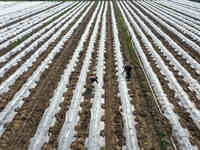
93, 79
89, 87
127, 69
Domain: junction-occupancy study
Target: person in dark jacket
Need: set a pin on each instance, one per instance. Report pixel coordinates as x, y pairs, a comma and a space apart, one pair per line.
89, 87
93, 79
127, 69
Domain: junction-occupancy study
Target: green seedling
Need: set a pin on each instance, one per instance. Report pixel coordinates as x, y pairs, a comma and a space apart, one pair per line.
164, 144
163, 134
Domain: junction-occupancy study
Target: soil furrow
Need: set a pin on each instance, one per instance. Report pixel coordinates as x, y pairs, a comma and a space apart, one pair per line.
171, 67
23, 127
113, 131
29, 54
172, 14
184, 33
6, 97
60, 117
188, 36
82, 128
153, 129
59, 108
173, 36
182, 135
13, 45
13, 41
185, 119
181, 60
179, 78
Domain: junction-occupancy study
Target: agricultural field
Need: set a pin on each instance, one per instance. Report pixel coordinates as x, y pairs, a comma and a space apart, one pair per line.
49, 51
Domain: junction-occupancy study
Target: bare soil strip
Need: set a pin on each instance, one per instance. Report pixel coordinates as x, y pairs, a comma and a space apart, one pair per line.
178, 77
185, 47
113, 114
169, 23
184, 117
173, 36
60, 117
96, 140
82, 128
153, 129
21, 80
13, 45
182, 135
172, 51
28, 55
171, 67
24, 126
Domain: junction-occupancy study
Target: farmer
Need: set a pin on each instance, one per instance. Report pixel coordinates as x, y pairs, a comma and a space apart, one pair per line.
127, 69
89, 88
93, 79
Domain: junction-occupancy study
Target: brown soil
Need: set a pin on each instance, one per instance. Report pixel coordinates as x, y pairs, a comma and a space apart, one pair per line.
174, 37
151, 125
171, 67
9, 48
24, 126
172, 51
28, 55
113, 118
86, 105
184, 117
153, 129
82, 128
22, 79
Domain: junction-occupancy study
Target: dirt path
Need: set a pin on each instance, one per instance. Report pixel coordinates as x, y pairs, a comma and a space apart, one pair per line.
184, 117
174, 37
171, 49
113, 117
4, 51
21, 80
34, 50
24, 126
82, 128
151, 124
153, 130
82, 132
192, 94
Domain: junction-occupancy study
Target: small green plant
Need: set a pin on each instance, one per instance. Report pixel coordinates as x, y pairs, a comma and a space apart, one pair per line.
142, 84
164, 144
163, 134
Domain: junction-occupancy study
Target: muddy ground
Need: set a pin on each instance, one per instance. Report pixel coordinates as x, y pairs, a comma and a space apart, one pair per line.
153, 130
